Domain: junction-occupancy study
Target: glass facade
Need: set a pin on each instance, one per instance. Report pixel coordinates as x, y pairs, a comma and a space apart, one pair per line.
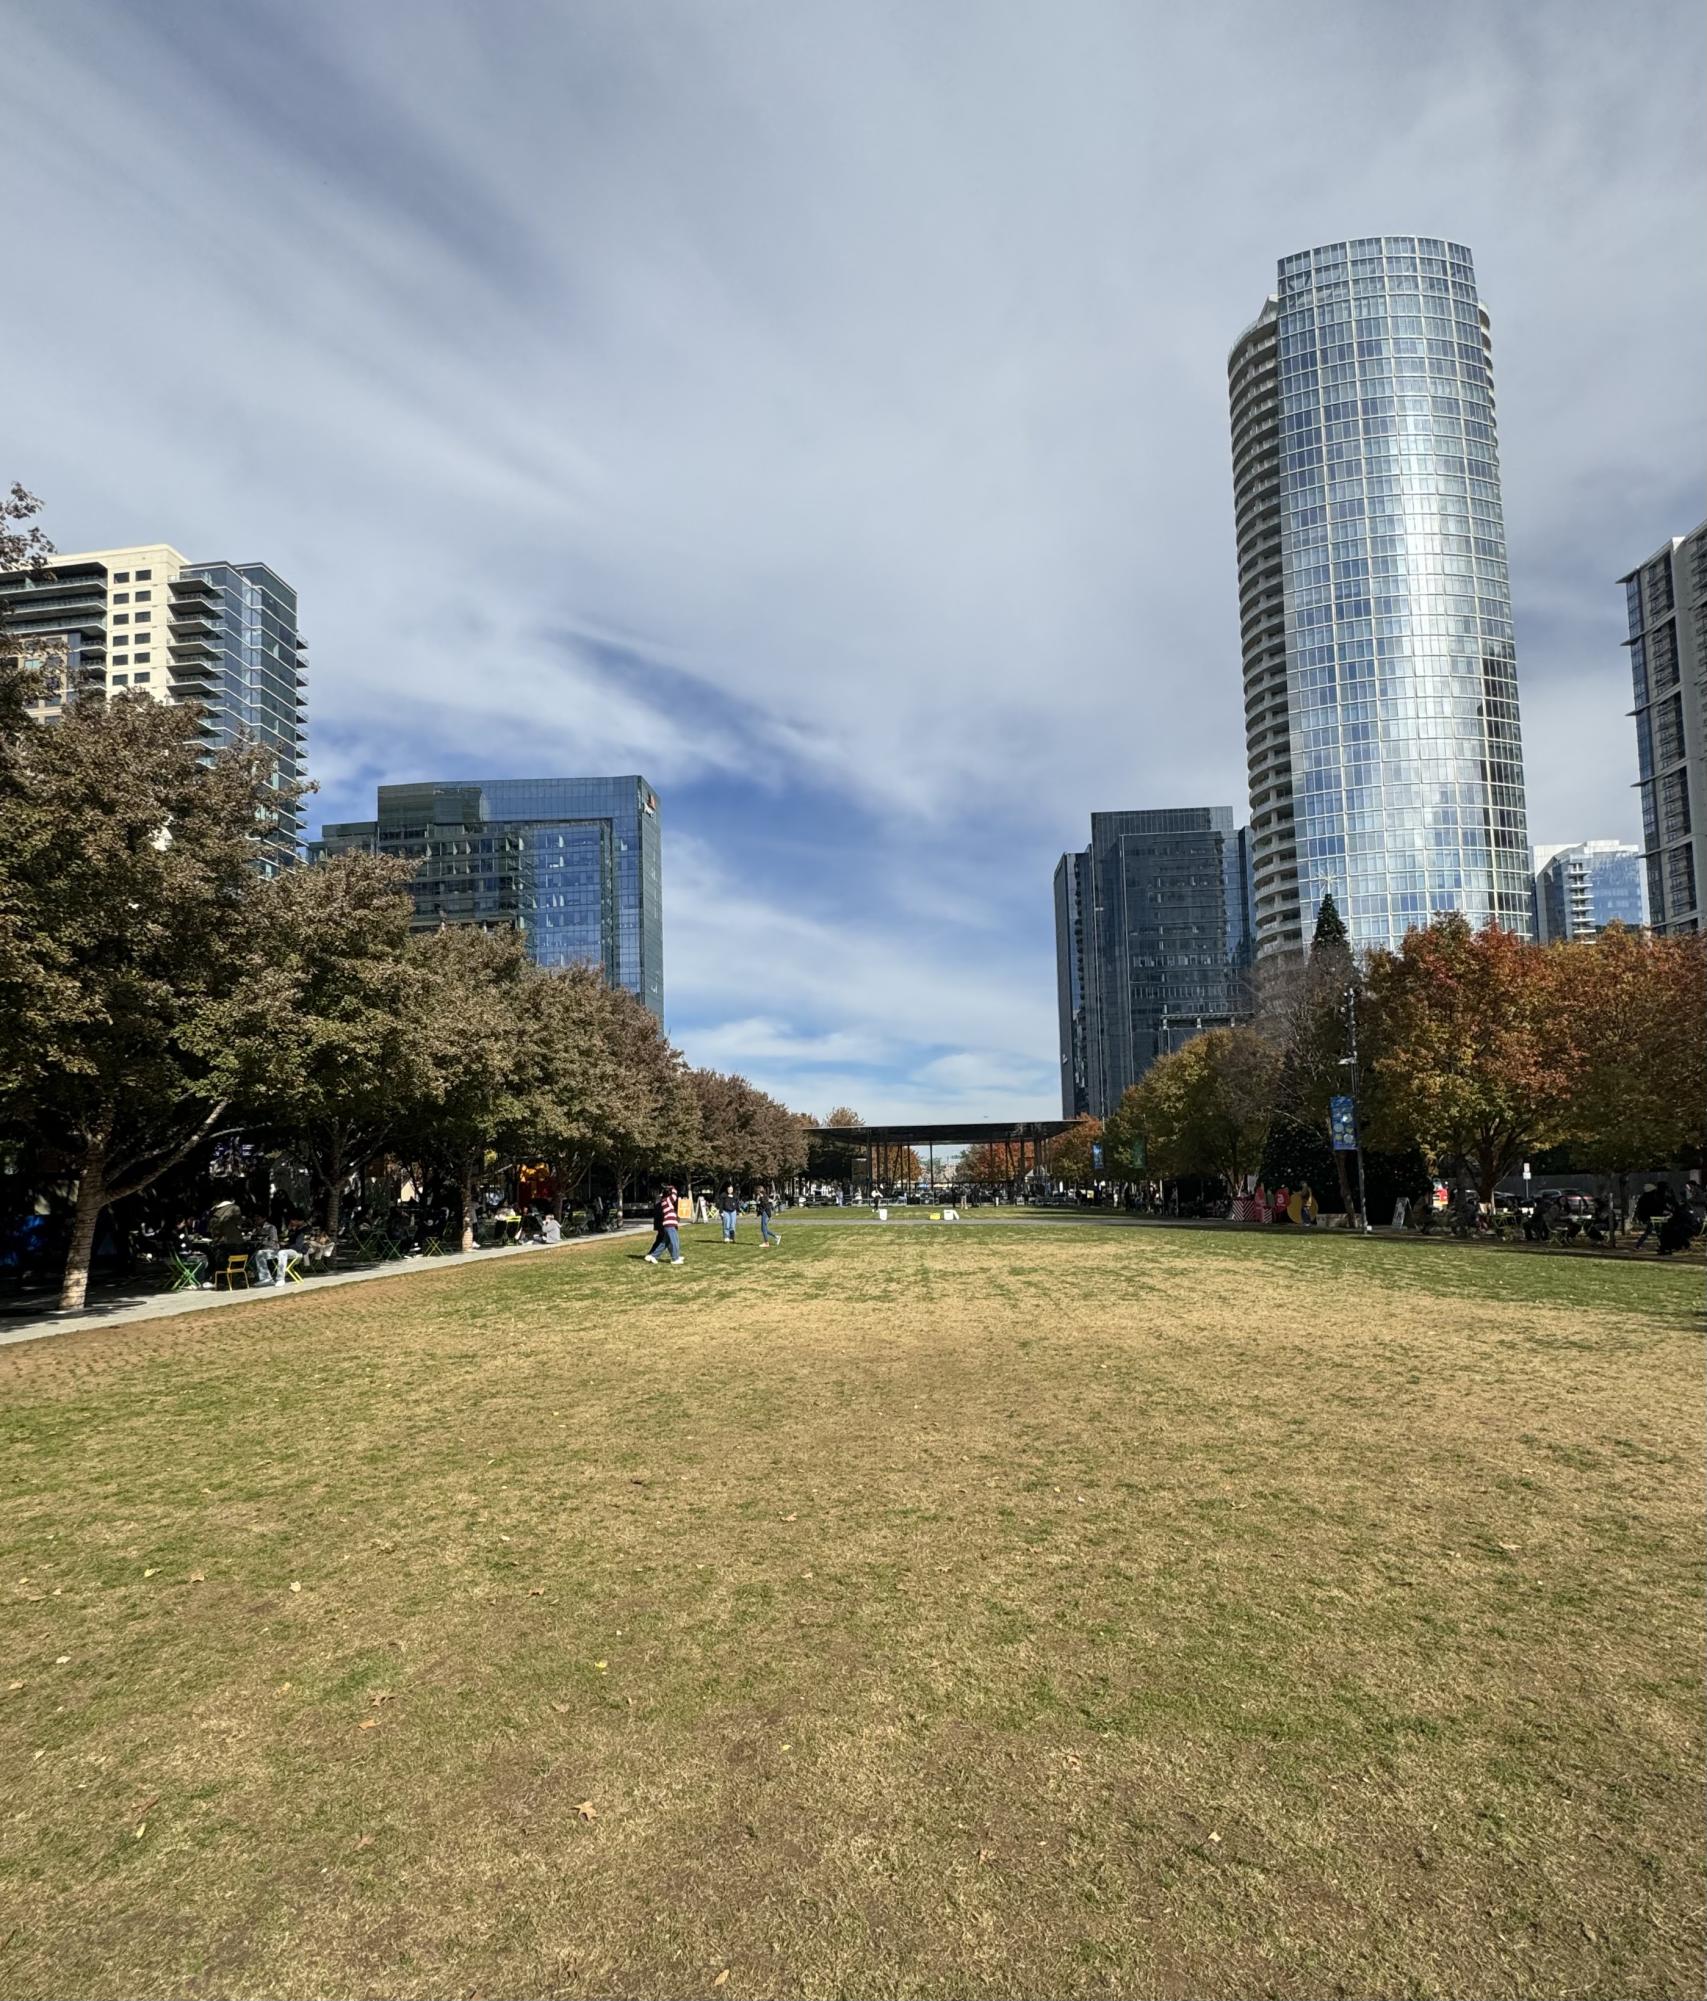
236, 649
574, 864
222, 636
1162, 922
1072, 876
1665, 605
1580, 890
1403, 769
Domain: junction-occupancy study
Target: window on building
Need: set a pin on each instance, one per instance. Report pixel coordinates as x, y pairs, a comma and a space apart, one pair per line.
142, 576
138, 679
142, 597
121, 680
121, 576
121, 597
121, 659
141, 657
121, 618
143, 617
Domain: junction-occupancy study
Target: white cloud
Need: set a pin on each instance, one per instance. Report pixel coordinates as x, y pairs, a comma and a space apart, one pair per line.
862, 371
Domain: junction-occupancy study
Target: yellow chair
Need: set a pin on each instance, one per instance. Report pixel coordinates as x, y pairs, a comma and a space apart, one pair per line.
236, 1267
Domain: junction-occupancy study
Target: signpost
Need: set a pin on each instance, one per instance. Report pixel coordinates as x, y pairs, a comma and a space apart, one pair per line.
1342, 1112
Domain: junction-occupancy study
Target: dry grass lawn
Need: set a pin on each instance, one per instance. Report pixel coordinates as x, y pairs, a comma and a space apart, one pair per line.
1002, 1611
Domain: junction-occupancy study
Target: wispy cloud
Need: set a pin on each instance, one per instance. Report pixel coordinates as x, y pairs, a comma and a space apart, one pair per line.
822, 410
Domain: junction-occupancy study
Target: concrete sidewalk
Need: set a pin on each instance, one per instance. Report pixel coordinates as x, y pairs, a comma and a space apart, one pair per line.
126, 1307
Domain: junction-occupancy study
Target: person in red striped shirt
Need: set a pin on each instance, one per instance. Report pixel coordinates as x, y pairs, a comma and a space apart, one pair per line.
666, 1222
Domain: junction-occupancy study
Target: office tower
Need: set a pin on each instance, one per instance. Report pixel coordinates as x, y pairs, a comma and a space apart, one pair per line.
1150, 923
571, 863
1381, 722
1665, 602
1581, 889
1072, 876
219, 634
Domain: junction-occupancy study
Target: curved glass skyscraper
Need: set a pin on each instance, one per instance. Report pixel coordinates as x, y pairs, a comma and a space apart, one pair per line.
1381, 725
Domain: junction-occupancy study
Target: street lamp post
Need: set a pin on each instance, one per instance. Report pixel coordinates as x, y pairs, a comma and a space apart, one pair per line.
1356, 1106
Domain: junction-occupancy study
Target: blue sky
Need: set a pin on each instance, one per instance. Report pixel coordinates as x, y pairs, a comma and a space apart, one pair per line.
822, 410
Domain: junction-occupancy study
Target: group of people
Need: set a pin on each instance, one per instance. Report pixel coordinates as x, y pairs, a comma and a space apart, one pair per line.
1290, 1206
666, 1219
232, 1233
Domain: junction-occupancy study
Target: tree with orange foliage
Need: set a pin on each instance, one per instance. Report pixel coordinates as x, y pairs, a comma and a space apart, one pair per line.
1471, 1049
1636, 1004
1069, 1157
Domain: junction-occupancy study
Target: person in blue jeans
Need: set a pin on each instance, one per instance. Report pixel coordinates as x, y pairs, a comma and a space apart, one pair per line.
665, 1222
766, 1209
729, 1208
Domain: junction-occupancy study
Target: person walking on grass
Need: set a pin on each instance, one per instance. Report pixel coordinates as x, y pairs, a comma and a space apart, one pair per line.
729, 1208
667, 1225
767, 1209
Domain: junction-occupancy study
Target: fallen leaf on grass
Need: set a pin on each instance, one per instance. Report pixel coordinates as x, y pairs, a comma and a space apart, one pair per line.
587, 1810
148, 1573
381, 1695
142, 1829
282, 1689
791, 1518
362, 1841
296, 1587
600, 1665
198, 1577
562, 1708
722, 1979
62, 1660
370, 1723
537, 1591
14, 1686
986, 1855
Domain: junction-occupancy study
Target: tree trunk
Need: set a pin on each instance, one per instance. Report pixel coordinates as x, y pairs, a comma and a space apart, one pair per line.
465, 1188
334, 1186
91, 1200
1347, 1206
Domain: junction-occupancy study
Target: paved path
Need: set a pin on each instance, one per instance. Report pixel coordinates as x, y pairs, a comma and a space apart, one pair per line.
124, 1307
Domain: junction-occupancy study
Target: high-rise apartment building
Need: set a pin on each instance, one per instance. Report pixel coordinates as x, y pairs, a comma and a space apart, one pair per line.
573, 864
1381, 720
222, 635
1665, 602
1151, 934
1581, 889
1072, 896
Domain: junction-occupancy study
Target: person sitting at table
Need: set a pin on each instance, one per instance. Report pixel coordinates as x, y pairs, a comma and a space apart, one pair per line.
264, 1238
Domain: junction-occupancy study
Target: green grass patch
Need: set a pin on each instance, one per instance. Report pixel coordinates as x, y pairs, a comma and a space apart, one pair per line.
928, 1611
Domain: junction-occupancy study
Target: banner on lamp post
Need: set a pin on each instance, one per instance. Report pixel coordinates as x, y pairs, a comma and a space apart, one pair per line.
1342, 1124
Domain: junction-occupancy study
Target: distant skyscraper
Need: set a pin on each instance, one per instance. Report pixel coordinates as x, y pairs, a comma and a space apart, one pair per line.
220, 634
1150, 926
1666, 607
1072, 879
1580, 890
1381, 720
573, 864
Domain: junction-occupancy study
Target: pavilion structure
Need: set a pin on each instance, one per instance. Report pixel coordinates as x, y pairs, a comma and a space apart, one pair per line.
883, 1147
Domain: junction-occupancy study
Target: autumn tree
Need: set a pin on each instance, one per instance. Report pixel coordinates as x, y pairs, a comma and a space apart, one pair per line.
469, 1007
127, 881
335, 995
1205, 1107
571, 1075
653, 1118
1070, 1155
1472, 1055
23, 547
1306, 1011
1635, 1005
